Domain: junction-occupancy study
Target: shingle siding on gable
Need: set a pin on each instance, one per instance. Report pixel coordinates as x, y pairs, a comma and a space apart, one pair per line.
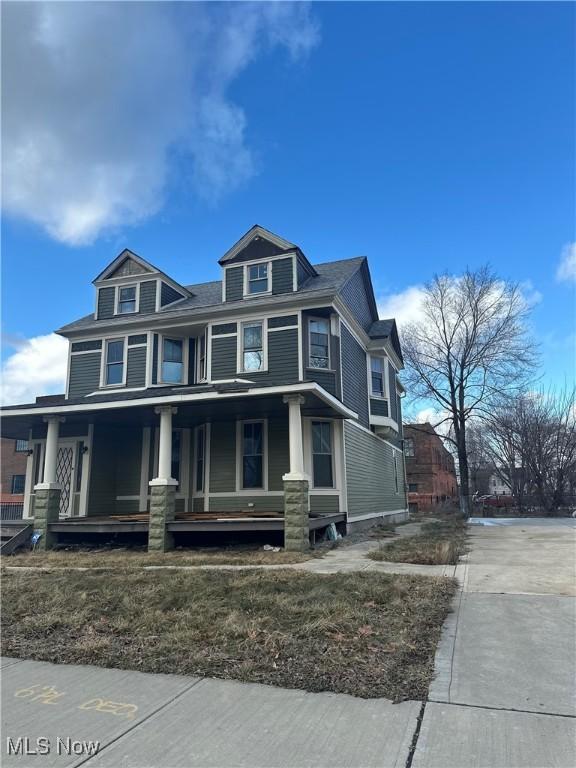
354, 294
106, 302
136, 371
282, 276
234, 283
84, 374
168, 295
354, 376
148, 296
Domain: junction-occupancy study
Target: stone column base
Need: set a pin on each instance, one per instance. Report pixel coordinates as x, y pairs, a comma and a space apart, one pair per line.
296, 515
162, 510
46, 511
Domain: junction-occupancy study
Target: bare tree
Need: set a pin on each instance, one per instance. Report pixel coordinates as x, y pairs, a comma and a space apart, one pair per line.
470, 347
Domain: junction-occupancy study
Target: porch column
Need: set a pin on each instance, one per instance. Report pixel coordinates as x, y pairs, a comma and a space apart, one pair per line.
47, 493
163, 487
296, 482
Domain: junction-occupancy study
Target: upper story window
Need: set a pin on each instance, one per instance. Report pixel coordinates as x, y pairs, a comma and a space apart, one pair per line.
172, 361
18, 484
126, 300
201, 350
409, 447
319, 343
252, 355
114, 374
377, 376
21, 446
257, 278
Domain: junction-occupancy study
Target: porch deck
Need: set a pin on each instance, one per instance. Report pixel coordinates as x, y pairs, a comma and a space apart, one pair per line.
189, 522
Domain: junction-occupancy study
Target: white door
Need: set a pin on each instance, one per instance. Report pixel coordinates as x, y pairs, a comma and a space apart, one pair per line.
65, 475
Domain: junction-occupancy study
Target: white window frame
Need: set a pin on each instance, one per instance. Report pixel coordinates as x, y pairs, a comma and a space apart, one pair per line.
240, 346
338, 468
240, 457
246, 279
172, 337
199, 378
104, 363
309, 365
118, 288
200, 429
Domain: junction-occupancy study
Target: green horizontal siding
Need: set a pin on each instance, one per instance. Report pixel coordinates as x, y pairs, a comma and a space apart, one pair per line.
240, 503
224, 358
282, 276
148, 296
136, 372
84, 374
223, 457
324, 504
234, 277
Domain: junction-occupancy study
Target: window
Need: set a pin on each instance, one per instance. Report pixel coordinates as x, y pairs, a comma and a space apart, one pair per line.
18, 482
377, 374
409, 447
172, 361
175, 467
257, 281
323, 476
202, 357
413, 487
252, 347
79, 455
21, 446
126, 300
200, 451
252, 455
319, 338
114, 362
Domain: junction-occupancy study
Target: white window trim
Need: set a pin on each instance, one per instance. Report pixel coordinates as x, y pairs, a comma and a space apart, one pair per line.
185, 351
337, 452
385, 377
117, 299
309, 366
240, 346
103, 363
240, 456
245, 284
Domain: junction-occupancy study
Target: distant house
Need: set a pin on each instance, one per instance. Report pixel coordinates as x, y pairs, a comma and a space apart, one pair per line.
266, 400
13, 462
497, 486
430, 471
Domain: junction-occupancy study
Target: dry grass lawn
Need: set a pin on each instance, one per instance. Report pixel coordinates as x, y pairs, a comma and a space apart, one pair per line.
369, 635
440, 543
137, 558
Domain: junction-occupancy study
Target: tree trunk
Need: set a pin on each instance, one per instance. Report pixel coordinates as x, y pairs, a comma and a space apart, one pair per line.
465, 506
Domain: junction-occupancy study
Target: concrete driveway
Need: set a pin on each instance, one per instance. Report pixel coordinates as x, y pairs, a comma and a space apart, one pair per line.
504, 693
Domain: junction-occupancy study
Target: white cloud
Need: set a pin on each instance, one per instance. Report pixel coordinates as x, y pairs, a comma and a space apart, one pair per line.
567, 267
405, 307
100, 100
37, 367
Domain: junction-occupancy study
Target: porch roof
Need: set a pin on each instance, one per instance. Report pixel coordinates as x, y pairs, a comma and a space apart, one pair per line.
196, 405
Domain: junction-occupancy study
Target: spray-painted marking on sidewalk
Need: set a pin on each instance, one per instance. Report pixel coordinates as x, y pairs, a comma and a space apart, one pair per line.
48, 694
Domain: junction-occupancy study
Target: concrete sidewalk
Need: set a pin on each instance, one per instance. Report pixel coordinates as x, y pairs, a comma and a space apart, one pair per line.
164, 721
503, 696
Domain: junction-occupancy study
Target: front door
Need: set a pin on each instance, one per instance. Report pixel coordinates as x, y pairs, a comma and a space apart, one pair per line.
65, 475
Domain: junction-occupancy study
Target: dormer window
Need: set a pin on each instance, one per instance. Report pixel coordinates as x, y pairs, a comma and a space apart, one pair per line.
126, 300
257, 279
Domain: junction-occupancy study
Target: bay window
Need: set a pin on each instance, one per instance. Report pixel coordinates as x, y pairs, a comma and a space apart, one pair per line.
319, 342
377, 376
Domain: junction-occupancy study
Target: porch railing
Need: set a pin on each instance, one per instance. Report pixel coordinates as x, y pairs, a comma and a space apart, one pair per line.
11, 510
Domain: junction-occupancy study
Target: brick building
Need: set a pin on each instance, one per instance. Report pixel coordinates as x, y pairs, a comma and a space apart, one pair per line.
430, 471
13, 459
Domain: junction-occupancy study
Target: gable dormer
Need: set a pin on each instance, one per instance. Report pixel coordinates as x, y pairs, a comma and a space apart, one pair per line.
131, 285
263, 264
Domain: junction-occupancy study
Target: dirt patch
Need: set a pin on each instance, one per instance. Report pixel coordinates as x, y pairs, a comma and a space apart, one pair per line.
369, 635
440, 543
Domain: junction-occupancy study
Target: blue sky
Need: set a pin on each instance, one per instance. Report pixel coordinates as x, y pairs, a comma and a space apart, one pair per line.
427, 136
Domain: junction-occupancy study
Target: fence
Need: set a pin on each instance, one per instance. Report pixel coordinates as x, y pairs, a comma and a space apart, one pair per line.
11, 510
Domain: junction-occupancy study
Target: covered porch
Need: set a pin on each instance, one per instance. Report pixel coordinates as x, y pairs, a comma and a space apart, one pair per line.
231, 458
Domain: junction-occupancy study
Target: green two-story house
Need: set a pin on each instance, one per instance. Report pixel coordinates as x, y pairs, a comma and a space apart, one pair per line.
271, 392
